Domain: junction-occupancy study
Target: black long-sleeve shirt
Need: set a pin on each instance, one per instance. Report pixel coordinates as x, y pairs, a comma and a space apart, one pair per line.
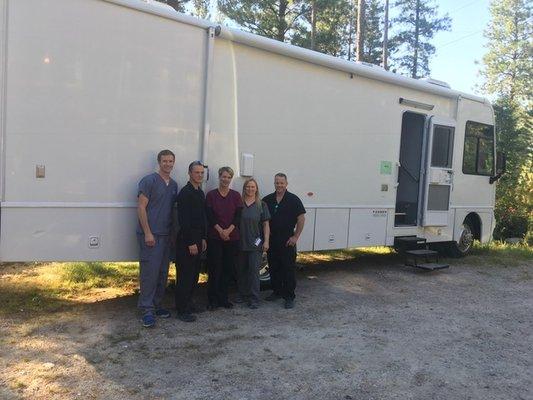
191, 215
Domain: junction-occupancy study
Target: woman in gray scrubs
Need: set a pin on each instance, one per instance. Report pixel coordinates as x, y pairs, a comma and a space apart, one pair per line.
255, 235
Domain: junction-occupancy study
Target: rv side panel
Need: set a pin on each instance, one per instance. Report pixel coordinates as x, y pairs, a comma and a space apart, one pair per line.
94, 90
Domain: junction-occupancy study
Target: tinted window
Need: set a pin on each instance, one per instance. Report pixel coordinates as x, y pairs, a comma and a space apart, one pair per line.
441, 153
478, 155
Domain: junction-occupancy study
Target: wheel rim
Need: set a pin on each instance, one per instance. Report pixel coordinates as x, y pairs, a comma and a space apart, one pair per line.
466, 239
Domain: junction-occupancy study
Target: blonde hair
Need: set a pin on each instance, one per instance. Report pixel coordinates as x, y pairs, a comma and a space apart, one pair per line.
257, 197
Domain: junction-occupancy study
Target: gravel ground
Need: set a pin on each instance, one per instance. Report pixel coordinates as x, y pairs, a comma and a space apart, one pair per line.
361, 330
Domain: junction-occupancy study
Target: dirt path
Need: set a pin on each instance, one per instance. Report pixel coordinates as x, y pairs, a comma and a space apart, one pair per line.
365, 330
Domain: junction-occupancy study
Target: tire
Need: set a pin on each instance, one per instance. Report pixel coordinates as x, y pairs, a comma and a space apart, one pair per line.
466, 240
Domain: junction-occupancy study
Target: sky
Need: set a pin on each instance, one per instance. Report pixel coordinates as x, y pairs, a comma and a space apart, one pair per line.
459, 49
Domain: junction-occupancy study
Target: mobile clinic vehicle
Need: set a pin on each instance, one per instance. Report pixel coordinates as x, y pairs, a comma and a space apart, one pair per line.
93, 89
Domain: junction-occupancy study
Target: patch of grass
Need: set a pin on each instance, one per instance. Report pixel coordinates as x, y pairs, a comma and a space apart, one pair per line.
498, 253
344, 255
86, 275
498, 248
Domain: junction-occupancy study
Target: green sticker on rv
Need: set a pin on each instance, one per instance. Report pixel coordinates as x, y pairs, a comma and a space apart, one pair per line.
385, 168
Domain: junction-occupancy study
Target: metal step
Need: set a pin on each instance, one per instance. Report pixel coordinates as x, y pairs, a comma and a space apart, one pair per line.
422, 253
410, 239
429, 266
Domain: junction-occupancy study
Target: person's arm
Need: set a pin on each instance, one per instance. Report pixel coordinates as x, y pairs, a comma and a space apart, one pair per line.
142, 203
266, 235
184, 218
300, 222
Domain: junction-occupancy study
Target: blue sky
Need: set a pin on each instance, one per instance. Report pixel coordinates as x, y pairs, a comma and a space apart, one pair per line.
459, 48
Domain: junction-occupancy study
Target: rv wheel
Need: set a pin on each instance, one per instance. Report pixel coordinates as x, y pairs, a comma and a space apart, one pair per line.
464, 244
264, 274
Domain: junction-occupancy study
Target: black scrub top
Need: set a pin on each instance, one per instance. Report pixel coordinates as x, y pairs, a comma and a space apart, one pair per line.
283, 217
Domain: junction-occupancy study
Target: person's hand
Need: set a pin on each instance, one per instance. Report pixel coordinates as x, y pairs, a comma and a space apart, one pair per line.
292, 241
149, 240
193, 250
204, 245
266, 246
225, 234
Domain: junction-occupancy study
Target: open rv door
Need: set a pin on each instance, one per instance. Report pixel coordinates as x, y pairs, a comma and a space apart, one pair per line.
438, 176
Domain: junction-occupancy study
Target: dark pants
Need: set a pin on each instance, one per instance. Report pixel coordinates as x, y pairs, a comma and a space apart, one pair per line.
221, 257
248, 275
187, 272
282, 268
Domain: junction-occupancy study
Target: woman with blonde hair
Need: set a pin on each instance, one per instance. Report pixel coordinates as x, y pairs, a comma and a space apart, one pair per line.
255, 236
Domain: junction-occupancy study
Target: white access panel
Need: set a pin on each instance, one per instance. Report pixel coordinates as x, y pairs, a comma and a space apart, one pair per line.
331, 228
305, 243
91, 234
368, 227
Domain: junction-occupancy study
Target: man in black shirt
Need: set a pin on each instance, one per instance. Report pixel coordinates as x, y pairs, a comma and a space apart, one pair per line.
286, 211
191, 240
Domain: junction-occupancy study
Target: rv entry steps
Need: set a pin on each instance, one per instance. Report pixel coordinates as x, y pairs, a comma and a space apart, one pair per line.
417, 254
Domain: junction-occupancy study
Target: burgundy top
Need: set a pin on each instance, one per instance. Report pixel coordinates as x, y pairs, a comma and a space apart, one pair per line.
223, 211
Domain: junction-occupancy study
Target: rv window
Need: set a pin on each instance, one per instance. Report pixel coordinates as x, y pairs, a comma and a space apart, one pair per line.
441, 153
478, 155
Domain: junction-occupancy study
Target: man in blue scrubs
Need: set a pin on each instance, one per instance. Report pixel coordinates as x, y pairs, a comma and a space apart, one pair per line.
156, 196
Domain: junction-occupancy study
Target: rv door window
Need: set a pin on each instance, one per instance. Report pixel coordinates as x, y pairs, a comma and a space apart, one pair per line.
441, 154
478, 155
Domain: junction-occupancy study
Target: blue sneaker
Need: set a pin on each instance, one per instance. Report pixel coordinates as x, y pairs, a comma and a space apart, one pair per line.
148, 321
162, 313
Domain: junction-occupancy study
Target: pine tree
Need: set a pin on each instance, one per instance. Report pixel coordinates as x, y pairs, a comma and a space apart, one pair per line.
325, 27
373, 38
201, 8
420, 22
275, 19
508, 65
507, 69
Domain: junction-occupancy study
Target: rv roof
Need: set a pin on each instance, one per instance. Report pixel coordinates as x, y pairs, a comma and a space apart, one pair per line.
356, 68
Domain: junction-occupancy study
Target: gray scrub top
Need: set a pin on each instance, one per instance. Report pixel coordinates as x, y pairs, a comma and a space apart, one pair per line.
161, 199
252, 218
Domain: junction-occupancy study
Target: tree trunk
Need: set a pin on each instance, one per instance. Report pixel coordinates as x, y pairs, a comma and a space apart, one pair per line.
386, 37
360, 29
313, 24
414, 71
282, 24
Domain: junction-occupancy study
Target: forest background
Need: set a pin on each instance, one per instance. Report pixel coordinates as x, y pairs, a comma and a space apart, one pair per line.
398, 35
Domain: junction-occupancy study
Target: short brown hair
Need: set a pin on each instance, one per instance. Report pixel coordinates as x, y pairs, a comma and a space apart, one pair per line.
225, 169
165, 153
280, 175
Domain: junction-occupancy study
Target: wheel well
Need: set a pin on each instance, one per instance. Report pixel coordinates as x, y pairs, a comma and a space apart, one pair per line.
475, 222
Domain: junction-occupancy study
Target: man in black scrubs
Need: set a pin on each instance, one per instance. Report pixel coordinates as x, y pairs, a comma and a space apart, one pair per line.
191, 240
286, 211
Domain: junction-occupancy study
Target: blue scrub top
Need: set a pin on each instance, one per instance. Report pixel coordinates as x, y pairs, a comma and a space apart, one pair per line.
161, 199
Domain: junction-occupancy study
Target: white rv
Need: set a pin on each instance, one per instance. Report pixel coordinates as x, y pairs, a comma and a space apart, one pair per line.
91, 90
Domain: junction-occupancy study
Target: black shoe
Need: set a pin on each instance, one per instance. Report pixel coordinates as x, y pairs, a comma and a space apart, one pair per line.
227, 304
212, 306
193, 309
289, 303
186, 317
273, 297
239, 299
253, 306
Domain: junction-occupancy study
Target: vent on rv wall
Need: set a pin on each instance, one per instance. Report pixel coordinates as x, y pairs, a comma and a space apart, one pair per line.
436, 82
